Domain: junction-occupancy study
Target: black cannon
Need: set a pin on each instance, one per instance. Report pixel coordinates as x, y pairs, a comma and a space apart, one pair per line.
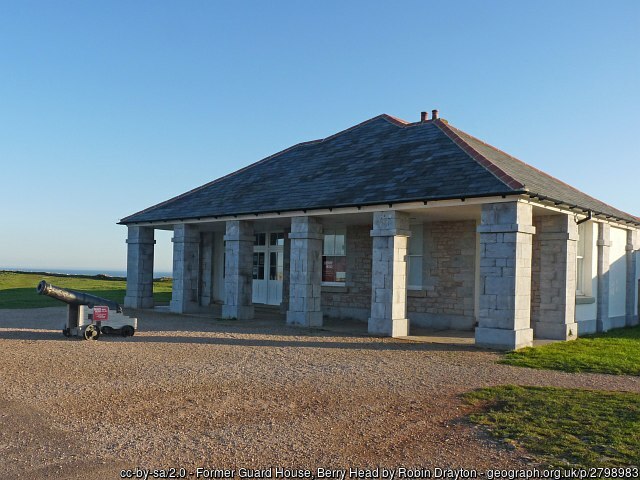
73, 297
80, 313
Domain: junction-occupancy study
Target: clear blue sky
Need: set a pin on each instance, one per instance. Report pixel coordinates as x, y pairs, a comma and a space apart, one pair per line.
109, 107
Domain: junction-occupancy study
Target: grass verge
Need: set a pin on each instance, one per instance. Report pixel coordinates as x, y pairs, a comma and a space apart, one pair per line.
18, 290
616, 352
563, 427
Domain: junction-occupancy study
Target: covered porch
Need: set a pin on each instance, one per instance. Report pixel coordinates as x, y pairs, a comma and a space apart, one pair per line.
499, 269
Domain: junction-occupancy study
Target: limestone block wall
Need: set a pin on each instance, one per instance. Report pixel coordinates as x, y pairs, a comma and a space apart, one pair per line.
354, 299
186, 268
555, 277
447, 299
449, 263
206, 268
535, 273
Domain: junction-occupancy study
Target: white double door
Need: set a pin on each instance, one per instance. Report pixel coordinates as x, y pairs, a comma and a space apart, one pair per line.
268, 267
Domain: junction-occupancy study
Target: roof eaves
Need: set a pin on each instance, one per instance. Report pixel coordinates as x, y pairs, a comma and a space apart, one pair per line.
500, 174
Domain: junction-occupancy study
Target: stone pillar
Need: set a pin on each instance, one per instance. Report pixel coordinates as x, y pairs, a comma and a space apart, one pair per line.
206, 268
389, 274
238, 279
140, 244
504, 319
286, 266
558, 242
305, 275
603, 243
633, 244
186, 267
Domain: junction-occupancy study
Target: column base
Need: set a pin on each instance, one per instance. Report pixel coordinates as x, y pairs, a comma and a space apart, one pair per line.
556, 331
237, 312
397, 327
138, 302
304, 319
180, 307
502, 339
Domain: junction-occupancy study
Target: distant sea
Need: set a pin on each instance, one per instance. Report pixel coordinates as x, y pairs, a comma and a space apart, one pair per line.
71, 271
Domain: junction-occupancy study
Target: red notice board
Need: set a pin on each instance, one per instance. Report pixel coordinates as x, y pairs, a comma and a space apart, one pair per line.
100, 313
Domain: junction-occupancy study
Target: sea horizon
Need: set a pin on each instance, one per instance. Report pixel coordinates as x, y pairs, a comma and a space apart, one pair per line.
81, 271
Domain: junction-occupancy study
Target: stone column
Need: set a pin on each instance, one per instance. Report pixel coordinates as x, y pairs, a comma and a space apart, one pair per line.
558, 242
140, 244
389, 274
238, 279
186, 267
603, 243
504, 319
286, 266
633, 244
206, 268
305, 272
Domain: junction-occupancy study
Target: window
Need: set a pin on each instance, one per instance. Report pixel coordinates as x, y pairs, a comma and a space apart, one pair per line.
258, 266
276, 266
260, 239
583, 259
276, 239
334, 259
414, 260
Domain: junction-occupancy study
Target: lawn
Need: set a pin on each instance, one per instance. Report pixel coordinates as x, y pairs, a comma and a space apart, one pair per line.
616, 352
563, 427
18, 290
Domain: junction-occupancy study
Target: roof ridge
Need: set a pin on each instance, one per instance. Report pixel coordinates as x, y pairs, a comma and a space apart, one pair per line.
500, 174
542, 172
393, 120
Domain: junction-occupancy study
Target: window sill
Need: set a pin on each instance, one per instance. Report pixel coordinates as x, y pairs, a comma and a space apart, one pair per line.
333, 287
416, 293
583, 300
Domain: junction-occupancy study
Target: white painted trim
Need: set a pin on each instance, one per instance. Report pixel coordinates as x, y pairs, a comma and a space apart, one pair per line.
579, 216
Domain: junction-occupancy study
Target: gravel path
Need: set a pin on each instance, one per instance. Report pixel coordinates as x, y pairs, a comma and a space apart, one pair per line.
190, 392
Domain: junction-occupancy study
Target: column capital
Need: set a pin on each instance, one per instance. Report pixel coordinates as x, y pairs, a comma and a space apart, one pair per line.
239, 230
390, 223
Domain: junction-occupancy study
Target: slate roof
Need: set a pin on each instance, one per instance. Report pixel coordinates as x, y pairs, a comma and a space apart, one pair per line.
382, 160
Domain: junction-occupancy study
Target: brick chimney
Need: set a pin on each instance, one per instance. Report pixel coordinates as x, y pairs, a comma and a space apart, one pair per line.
434, 114
424, 116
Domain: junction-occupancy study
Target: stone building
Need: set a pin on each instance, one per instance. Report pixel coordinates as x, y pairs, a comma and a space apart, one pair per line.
396, 223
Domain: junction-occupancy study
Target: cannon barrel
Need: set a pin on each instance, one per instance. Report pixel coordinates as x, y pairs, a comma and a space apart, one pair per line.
73, 297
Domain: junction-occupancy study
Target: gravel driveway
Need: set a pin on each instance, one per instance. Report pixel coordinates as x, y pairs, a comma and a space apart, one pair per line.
192, 392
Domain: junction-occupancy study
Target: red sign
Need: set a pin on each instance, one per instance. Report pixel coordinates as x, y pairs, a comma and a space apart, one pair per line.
100, 313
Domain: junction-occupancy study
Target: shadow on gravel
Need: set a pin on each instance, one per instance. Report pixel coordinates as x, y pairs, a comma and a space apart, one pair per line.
313, 342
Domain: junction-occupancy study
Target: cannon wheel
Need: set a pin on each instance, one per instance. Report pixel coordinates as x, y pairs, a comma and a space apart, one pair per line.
66, 332
91, 333
127, 331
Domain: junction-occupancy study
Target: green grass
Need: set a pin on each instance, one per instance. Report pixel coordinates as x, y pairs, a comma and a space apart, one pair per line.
18, 290
616, 352
563, 427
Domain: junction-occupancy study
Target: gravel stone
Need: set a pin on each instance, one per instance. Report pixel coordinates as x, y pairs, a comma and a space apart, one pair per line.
195, 392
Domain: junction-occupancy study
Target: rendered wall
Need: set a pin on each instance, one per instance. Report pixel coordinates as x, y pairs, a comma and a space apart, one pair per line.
617, 276
586, 312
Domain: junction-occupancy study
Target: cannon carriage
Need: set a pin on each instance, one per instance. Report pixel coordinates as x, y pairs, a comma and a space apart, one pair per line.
86, 313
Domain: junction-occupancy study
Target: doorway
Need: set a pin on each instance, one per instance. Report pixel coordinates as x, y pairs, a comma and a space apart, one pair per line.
268, 267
